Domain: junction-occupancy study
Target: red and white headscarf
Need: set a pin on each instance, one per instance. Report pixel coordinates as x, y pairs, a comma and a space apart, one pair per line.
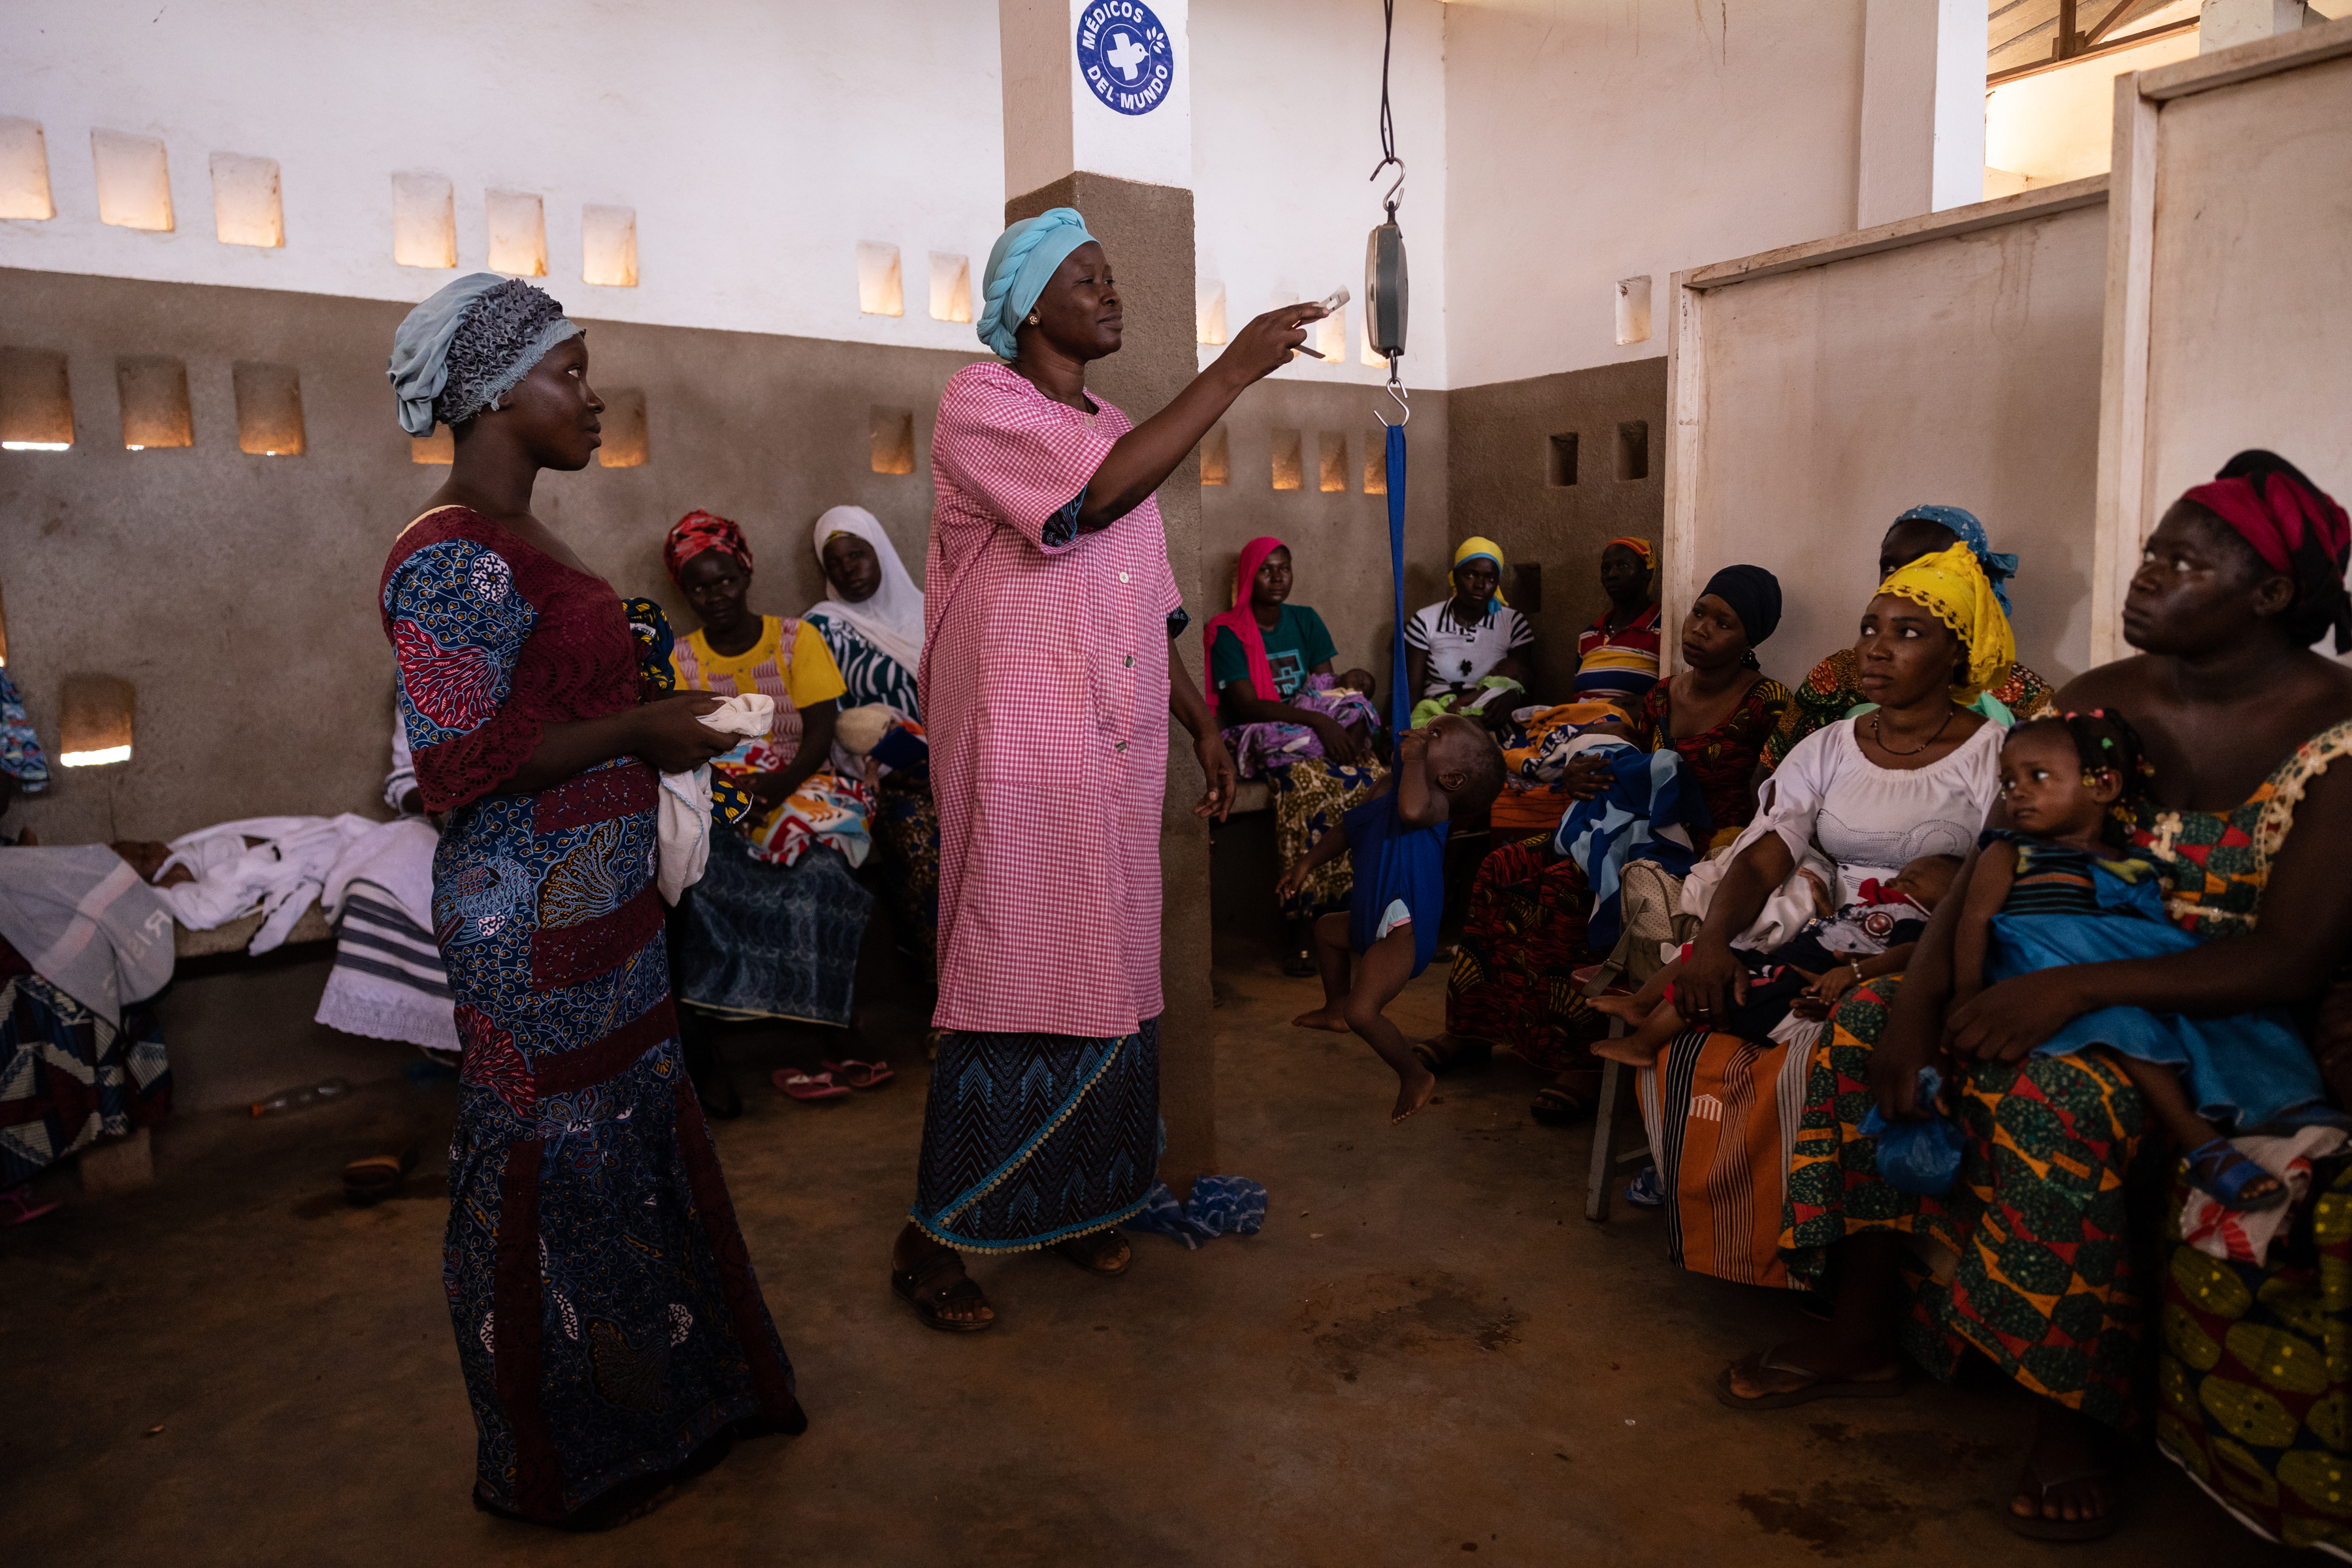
2294, 526
698, 531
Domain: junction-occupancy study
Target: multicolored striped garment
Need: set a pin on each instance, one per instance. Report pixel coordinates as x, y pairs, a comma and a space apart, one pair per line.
1620, 664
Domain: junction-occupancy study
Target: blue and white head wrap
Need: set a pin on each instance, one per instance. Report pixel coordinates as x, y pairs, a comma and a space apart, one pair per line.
1018, 264
1997, 568
469, 345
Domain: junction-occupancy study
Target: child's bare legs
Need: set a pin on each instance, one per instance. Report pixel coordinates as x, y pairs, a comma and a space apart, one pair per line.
1331, 935
1641, 1048
1641, 1002
1380, 974
2160, 1087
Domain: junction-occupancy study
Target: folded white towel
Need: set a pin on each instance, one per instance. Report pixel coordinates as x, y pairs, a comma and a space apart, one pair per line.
685, 825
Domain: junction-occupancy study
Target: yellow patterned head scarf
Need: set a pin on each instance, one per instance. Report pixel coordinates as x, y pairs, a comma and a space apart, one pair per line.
1954, 587
1476, 548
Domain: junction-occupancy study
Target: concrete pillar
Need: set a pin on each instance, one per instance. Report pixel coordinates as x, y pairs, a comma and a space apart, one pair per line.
1923, 109
2222, 23
1127, 165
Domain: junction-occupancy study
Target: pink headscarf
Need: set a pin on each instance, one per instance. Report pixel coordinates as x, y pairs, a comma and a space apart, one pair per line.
1243, 622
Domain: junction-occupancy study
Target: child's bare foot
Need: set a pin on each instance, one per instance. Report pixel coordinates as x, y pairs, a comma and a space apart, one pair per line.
1628, 1009
1331, 1018
1627, 1050
1414, 1089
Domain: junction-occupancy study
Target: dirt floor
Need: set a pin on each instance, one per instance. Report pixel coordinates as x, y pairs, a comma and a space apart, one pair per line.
1428, 1353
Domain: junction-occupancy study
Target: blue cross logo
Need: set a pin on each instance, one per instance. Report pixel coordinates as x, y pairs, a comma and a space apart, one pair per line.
1126, 56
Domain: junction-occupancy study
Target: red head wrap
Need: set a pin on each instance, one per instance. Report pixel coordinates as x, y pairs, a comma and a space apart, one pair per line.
1242, 621
698, 531
2294, 526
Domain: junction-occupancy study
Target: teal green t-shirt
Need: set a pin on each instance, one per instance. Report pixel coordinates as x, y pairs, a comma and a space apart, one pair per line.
1297, 643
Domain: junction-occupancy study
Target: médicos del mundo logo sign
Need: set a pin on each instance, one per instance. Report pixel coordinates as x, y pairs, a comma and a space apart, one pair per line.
1126, 56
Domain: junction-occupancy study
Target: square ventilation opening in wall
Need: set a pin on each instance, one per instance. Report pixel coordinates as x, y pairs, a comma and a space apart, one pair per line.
608, 246
1289, 462
880, 291
134, 183
1634, 449
1329, 337
1559, 460
269, 409
950, 287
441, 447
894, 439
35, 401
623, 419
518, 230
1217, 457
154, 393
248, 208
423, 221
1634, 310
1376, 462
1209, 314
94, 721
24, 169
1331, 453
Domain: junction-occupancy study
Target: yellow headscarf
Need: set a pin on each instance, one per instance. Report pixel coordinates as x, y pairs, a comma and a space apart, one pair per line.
1954, 587
1475, 546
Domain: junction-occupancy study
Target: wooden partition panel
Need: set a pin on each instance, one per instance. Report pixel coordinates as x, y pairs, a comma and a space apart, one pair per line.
2229, 283
1821, 390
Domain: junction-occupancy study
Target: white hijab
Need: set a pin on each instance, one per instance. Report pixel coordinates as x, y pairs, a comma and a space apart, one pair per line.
892, 619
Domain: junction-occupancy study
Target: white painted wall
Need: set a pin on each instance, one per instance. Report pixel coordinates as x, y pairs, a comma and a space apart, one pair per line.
1286, 126
1590, 142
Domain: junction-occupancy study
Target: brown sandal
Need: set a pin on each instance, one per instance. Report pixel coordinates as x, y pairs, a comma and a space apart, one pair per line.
375, 1177
918, 1286
1086, 1251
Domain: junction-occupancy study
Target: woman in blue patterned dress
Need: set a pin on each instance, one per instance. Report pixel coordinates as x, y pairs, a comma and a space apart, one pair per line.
873, 625
611, 1330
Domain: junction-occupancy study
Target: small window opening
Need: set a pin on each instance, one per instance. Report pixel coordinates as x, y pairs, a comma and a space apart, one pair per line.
134, 181
1376, 462
35, 402
894, 440
440, 446
518, 234
1563, 460
1331, 448
1634, 310
154, 394
94, 721
608, 246
1634, 449
423, 221
1365, 351
248, 208
880, 291
1331, 337
1209, 314
269, 409
1526, 586
24, 169
1217, 457
623, 419
1289, 461
950, 287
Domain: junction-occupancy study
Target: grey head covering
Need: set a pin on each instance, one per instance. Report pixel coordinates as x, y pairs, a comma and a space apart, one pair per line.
467, 346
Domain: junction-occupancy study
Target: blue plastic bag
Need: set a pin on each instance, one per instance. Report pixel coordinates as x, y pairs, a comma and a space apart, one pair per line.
1922, 1158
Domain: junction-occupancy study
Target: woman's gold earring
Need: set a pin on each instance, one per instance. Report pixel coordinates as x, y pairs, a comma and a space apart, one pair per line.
1033, 317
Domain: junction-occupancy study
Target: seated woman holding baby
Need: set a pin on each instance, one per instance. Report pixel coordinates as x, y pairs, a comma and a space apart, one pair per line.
773, 929
1287, 720
1513, 983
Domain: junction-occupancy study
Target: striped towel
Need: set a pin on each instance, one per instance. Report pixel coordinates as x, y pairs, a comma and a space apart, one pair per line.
388, 982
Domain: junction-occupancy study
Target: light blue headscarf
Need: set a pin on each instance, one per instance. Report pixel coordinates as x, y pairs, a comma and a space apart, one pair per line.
1997, 568
1023, 258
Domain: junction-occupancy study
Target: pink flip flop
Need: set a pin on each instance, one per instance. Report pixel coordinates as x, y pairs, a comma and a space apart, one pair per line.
861, 1075
807, 1086
17, 1206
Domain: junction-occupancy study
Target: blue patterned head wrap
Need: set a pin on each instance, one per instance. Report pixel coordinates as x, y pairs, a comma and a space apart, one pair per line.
1023, 258
469, 345
1997, 568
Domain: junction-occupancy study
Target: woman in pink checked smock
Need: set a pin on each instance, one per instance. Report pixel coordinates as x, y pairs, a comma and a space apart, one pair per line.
1048, 612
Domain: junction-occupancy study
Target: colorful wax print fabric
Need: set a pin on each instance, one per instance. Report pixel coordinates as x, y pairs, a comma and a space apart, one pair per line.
68, 1075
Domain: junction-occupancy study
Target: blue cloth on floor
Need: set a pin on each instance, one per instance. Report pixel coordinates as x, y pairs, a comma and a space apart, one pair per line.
1922, 1158
1392, 861
1221, 1205
2242, 1071
1649, 793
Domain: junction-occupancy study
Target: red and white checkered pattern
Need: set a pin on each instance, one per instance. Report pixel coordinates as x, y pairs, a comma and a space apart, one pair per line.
1045, 690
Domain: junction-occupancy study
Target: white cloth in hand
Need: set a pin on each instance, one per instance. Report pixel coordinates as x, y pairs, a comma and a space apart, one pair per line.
684, 828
